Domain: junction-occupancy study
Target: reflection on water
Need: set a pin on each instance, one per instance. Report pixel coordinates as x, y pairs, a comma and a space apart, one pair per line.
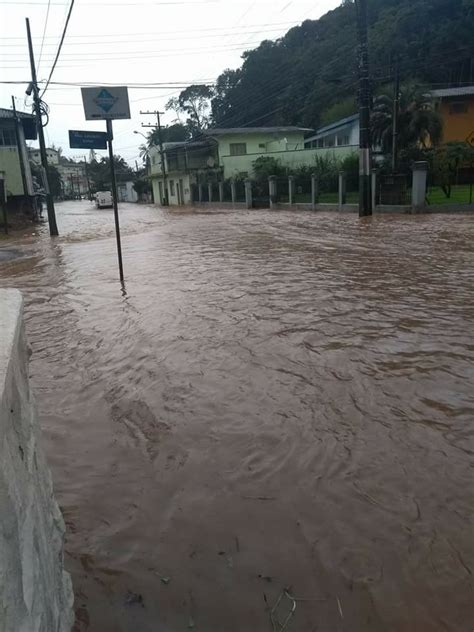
281, 399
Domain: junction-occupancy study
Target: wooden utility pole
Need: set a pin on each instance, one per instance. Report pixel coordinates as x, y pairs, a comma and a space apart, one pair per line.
396, 106
365, 198
53, 228
165, 200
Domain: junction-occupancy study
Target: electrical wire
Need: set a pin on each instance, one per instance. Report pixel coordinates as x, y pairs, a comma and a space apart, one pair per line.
44, 33
59, 47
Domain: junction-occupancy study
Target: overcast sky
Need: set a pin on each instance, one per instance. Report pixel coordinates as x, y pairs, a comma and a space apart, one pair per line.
133, 41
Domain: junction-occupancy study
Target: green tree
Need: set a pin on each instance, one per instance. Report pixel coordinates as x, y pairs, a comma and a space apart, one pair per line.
446, 161
195, 102
99, 172
344, 108
418, 122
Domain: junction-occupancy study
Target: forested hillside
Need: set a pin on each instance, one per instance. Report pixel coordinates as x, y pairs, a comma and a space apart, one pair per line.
298, 78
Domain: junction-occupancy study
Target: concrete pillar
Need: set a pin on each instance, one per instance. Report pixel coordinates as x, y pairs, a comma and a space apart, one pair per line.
209, 190
233, 191
418, 190
248, 193
314, 191
374, 176
200, 192
291, 190
221, 191
272, 190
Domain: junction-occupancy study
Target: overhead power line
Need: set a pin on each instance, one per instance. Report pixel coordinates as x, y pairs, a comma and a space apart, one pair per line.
44, 34
221, 29
59, 47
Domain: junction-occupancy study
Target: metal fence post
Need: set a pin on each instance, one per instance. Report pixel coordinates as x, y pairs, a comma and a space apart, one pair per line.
221, 191
314, 191
199, 192
342, 189
209, 190
233, 192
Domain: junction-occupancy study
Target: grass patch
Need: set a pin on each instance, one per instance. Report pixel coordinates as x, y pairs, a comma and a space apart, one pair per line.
459, 195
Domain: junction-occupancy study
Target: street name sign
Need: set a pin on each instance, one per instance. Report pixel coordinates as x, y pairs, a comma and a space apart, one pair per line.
104, 102
79, 139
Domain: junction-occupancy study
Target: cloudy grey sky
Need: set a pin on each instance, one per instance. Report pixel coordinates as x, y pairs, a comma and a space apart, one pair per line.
133, 41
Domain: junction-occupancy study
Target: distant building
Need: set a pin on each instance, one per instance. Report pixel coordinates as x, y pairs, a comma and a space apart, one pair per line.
73, 178
341, 133
51, 154
126, 192
14, 164
239, 147
224, 153
456, 106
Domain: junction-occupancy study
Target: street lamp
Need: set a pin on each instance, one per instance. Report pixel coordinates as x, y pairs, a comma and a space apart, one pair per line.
135, 132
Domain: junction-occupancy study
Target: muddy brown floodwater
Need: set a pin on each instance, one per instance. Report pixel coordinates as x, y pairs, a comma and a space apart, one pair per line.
280, 400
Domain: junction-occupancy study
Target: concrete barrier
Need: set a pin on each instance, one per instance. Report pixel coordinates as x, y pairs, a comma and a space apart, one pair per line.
35, 591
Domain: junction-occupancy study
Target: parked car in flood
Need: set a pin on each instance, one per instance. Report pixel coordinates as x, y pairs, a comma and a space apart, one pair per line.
103, 199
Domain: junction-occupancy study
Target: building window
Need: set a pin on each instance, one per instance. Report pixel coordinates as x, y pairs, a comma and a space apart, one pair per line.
7, 138
320, 142
329, 141
238, 149
261, 146
172, 188
343, 140
458, 107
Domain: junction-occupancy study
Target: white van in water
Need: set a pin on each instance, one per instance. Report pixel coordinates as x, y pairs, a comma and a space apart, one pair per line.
103, 199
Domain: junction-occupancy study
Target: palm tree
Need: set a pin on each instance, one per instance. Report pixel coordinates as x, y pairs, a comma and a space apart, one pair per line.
419, 124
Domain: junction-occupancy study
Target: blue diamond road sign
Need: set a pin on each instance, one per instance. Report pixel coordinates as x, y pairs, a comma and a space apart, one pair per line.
104, 102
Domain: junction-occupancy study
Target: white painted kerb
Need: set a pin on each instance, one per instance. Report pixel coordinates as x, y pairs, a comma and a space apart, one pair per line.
35, 591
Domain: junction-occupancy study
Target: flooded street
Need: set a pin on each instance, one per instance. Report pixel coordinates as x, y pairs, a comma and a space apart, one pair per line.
282, 399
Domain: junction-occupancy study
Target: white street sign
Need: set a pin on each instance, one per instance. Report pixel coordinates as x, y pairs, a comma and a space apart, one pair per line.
102, 102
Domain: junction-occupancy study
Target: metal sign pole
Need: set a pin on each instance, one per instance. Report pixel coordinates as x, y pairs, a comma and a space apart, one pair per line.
110, 137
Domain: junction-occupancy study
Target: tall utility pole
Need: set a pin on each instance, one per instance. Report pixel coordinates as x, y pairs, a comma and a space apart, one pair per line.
53, 227
365, 198
396, 105
165, 200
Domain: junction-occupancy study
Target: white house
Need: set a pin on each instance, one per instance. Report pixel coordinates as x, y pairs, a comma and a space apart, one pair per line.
51, 154
341, 133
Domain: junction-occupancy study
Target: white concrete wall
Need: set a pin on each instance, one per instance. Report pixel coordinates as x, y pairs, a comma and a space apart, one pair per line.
35, 591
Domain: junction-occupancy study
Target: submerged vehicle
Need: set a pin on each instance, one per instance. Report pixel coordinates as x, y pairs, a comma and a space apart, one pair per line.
103, 199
